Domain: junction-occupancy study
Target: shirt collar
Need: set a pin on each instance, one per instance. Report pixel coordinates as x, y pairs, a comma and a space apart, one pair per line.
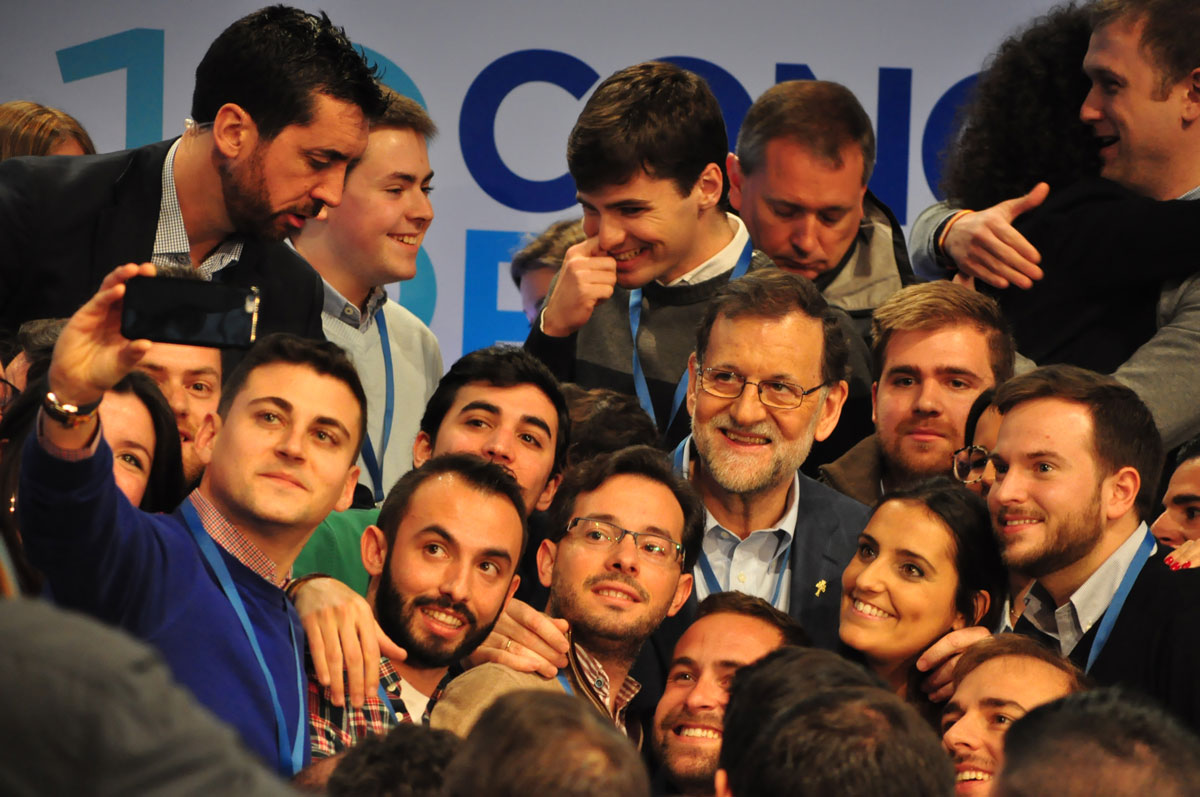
341, 308
596, 681
719, 263
1092, 598
1193, 194
171, 244
228, 537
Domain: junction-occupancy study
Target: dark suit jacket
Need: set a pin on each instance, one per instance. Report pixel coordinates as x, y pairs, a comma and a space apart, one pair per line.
1153, 647
65, 222
826, 537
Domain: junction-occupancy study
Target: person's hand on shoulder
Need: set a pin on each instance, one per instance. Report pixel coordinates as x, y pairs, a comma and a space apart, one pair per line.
526, 640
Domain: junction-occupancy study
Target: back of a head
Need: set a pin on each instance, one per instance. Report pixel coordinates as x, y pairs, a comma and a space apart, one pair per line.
653, 116
30, 128
603, 421
1100, 742
773, 684
273, 62
848, 741
548, 249
999, 154
545, 743
410, 761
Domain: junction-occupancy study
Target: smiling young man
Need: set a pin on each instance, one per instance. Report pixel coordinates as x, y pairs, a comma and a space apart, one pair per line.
368, 242
731, 630
203, 584
936, 347
996, 682
1077, 464
625, 532
646, 155
442, 561
280, 108
1143, 107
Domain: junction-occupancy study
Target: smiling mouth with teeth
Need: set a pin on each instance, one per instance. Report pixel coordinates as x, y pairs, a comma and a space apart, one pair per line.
411, 240
870, 611
443, 617
972, 774
692, 732
629, 254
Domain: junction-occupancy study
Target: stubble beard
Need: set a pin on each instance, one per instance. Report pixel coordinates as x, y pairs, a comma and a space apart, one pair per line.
1067, 541
733, 475
615, 638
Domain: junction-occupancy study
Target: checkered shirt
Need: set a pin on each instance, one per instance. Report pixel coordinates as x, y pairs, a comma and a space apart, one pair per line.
171, 244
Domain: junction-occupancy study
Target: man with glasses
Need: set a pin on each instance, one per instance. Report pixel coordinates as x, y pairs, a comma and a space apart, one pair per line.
626, 532
766, 380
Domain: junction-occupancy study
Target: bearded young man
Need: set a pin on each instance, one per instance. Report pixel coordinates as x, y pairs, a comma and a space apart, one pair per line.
280, 108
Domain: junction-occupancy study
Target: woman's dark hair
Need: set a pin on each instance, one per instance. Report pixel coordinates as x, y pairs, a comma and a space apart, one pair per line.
982, 402
165, 488
1021, 125
976, 553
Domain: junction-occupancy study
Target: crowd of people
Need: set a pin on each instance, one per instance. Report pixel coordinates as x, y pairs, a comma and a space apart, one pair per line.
762, 506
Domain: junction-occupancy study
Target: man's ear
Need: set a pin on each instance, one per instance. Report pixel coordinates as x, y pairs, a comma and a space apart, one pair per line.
721, 784
422, 449
547, 496
512, 590
546, 554
683, 589
1191, 97
981, 601
206, 436
831, 408
693, 383
373, 548
709, 186
234, 131
874, 402
347, 497
1120, 492
733, 167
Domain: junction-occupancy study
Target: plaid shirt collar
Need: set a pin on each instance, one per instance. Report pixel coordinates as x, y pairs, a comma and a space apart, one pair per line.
228, 537
171, 244
341, 308
591, 677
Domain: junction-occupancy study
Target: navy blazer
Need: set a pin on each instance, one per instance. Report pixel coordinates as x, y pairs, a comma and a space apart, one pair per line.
66, 222
827, 527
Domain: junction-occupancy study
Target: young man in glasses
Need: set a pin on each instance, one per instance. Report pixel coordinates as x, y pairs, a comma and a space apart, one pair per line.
627, 532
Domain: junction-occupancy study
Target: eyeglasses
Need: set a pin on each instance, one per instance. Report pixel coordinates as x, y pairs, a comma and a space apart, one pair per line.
969, 463
771, 392
652, 548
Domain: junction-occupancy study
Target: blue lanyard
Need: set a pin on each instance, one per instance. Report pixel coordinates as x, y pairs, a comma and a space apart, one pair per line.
387, 702
639, 376
289, 762
706, 570
1118, 600
566, 682
375, 466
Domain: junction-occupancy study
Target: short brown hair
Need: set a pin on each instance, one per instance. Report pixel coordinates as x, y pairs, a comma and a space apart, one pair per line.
654, 117
771, 293
30, 128
1168, 36
930, 306
546, 250
403, 113
821, 115
1013, 645
1123, 430
751, 606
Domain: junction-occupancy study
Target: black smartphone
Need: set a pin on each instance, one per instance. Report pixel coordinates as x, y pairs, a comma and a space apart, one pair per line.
191, 312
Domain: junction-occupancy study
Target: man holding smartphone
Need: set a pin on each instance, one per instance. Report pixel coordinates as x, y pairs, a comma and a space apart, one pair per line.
369, 241
280, 107
202, 584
